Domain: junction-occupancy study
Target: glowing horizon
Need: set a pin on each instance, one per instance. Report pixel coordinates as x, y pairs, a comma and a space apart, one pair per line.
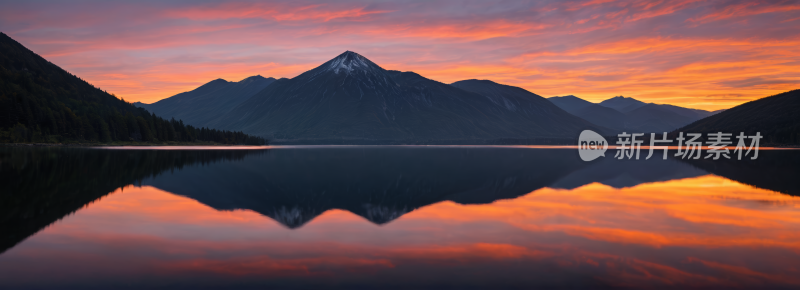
689, 53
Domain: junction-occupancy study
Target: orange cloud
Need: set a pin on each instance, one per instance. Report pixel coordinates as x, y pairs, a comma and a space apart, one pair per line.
317, 12
745, 9
477, 31
676, 52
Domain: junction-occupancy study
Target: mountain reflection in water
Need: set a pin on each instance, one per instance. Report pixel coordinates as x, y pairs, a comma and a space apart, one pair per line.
455, 217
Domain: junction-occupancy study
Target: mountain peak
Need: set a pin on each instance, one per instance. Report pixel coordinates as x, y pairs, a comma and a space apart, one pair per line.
215, 83
256, 78
475, 81
349, 61
622, 98
570, 103
622, 104
570, 97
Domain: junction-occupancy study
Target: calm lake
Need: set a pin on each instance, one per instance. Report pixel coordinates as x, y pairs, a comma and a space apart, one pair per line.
389, 217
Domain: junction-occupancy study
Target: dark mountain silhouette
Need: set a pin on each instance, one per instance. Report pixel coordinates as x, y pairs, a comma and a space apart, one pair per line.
351, 100
202, 106
594, 113
293, 186
40, 102
630, 115
570, 103
622, 104
688, 112
515, 98
39, 186
628, 173
652, 118
776, 170
603, 116
775, 117
658, 118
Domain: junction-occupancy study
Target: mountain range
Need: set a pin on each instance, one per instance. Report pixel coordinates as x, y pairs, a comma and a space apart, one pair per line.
630, 115
351, 100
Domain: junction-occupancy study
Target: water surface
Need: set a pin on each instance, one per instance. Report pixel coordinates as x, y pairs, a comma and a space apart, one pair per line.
394, 217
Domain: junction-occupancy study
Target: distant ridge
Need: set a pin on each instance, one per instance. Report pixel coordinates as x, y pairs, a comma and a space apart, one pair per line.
623, 104
570, 103
623, 114
204, 105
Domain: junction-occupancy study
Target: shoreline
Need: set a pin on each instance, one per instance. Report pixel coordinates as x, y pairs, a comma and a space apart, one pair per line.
117, 144
765, 146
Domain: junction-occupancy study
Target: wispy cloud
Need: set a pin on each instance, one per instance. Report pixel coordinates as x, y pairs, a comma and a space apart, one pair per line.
681, 52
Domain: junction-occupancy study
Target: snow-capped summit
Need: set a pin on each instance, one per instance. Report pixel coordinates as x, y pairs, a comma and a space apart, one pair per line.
349, 67
347, 63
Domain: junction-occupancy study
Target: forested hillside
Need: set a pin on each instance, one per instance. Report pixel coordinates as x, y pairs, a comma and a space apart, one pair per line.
40, 102
774, 117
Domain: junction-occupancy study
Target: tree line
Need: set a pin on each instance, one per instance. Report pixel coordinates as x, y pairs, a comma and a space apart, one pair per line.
40, 102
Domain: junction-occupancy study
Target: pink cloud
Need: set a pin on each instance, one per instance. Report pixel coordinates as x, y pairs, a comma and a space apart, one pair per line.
154, 50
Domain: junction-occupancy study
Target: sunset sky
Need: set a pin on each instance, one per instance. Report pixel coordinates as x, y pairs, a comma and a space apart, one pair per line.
700, 54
